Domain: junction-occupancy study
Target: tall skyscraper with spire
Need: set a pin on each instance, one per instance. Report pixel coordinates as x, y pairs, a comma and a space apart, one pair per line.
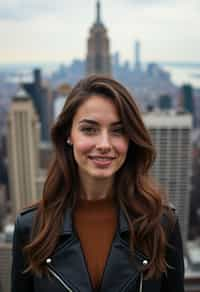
98, 48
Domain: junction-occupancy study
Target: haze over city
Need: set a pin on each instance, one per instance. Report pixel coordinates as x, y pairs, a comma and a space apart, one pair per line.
55, 31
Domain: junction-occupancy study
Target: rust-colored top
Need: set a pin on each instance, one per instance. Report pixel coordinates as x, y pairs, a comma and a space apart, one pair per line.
96, 222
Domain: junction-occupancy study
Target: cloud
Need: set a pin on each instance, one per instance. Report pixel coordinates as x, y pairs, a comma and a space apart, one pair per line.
18, 10
147, 3
41, 29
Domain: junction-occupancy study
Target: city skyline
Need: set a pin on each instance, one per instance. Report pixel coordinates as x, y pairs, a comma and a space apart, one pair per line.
43, 31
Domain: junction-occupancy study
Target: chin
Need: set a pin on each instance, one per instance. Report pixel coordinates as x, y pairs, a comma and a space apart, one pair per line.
101, 174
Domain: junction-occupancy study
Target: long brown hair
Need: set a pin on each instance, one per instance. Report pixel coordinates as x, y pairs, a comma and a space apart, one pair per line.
136, 194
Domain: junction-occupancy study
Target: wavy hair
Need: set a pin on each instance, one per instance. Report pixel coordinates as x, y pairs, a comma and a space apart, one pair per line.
135, 191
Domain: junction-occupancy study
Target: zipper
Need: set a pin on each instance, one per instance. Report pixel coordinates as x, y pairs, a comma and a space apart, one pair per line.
60, 280
141, 281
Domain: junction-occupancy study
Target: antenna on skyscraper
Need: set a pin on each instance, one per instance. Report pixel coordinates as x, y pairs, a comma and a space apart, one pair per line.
98, 12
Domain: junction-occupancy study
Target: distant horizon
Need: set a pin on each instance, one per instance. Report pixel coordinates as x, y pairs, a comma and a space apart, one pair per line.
62, 62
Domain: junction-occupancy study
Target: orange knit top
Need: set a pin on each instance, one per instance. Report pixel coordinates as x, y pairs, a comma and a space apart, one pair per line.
95, 222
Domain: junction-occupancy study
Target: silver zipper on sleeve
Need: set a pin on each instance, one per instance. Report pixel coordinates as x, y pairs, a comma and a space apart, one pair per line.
141, 281
55, 275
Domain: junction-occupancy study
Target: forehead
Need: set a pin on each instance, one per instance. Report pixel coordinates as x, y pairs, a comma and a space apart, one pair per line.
98, 108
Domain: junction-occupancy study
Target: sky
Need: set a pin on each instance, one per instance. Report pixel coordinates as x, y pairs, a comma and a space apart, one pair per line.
57, 31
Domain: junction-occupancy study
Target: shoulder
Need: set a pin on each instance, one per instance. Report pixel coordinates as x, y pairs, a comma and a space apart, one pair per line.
24, 221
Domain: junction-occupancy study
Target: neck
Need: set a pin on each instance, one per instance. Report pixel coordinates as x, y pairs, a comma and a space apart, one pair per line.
96, 189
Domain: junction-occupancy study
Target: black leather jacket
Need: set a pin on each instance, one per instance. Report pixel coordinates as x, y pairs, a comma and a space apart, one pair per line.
69, 271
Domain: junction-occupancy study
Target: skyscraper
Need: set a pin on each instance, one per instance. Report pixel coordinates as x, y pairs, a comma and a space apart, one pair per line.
98, 51
171, 133
187, 102
40, 98
165, 102
137, 56
23, 160
5, 266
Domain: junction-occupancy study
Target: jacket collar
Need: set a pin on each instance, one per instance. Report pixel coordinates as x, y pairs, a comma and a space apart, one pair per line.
68, 225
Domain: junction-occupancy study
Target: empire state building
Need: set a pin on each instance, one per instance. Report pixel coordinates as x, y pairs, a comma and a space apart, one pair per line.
98, 55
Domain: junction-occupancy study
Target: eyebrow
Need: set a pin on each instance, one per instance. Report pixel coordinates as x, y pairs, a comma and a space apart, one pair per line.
92, 122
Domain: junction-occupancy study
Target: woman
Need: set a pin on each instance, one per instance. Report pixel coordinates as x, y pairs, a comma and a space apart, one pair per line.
101, 224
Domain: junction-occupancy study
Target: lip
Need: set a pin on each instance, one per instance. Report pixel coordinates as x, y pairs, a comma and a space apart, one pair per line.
101, 161
101, 157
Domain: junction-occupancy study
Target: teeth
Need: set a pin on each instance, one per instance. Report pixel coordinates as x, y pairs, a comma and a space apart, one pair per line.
102, 158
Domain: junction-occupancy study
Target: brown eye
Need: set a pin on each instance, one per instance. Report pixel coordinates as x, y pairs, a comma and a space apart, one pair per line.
88, 130
118, 131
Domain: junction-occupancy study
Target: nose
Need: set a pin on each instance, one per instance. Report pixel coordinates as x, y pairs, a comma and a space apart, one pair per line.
104, 143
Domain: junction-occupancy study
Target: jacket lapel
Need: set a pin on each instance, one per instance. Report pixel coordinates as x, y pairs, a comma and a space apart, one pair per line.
68, 260
121, 271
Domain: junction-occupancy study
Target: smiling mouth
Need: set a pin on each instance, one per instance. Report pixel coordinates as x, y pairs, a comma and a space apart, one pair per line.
99, 158
101, 162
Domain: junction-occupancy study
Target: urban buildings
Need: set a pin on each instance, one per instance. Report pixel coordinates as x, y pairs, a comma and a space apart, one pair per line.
171, 134
23, 141
40, 96
165, 102
187, 102
98, 47
60, 95
197, 107
3, 206
137, 50
5, 265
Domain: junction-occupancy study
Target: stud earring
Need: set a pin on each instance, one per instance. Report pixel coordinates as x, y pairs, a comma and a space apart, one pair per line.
69, 142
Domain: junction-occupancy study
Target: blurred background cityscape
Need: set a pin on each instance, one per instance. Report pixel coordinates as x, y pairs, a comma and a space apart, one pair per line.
152, 48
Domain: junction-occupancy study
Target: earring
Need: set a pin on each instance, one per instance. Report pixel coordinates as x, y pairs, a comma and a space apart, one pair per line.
69, 142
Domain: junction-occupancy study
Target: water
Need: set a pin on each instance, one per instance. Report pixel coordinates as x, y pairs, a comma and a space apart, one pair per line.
184, 74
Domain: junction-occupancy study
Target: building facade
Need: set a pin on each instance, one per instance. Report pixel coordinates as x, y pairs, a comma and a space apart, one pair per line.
171, 135
41, 97
23, 157
5, 266
98, 58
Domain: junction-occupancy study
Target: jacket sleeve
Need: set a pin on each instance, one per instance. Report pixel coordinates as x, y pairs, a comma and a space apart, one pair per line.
20, 281
173, 281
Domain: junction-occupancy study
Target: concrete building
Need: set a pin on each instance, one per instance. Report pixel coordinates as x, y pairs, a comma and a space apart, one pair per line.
187, 99
98, 47
196, 108
165, 102
3, 205
46, 153
171, 134
41, 97
23, 156
192, 281
5, 266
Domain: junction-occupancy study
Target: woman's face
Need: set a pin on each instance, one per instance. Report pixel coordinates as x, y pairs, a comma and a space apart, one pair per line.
99, 142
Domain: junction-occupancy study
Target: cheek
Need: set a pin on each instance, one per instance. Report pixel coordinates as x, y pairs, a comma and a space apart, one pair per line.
121, 146
83, 145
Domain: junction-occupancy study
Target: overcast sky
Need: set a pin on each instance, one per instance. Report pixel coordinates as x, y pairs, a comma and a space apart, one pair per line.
57, 30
